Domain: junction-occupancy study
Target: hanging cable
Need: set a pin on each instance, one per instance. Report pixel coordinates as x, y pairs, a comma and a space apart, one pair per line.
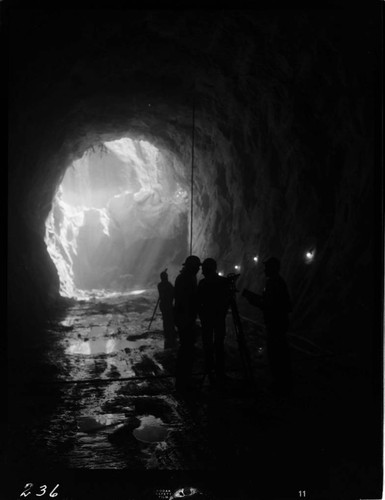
192, 171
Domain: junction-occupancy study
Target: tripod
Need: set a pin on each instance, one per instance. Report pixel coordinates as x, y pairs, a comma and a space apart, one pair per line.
153, 315
244, 353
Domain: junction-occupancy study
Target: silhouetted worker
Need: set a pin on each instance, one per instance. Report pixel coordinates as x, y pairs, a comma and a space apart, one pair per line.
166, 303
185, 315
213, 303
276, 306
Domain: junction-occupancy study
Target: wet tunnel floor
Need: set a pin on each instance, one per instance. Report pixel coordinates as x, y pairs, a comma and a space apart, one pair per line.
100, 395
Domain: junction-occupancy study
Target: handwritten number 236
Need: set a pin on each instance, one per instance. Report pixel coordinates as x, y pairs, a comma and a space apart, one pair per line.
43, 490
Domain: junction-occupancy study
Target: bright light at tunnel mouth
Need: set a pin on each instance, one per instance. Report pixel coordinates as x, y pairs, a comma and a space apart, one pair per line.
117, 220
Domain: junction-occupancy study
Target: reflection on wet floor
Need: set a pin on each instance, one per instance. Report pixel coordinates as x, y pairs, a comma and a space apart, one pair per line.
151, 430
102, 396
91, 424
117, 406
108, 338
97, 346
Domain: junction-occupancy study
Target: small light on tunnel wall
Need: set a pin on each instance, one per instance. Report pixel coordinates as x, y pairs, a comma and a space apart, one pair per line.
309, 256
237, 268
220, 273
255, 259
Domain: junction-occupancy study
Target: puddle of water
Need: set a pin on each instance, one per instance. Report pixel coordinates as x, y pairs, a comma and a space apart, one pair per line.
98, 330
69, 321
185, 492
102, 346
91, 347
94, 423
151, 430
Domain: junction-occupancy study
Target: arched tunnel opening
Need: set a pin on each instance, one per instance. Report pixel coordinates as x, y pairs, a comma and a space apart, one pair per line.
139, 137
120, 214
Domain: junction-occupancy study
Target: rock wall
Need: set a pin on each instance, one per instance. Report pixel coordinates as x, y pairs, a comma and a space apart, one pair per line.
284, 138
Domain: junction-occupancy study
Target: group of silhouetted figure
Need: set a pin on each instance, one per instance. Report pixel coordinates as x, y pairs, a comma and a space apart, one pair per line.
209, 300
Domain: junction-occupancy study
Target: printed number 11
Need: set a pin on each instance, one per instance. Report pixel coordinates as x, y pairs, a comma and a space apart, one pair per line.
302, 493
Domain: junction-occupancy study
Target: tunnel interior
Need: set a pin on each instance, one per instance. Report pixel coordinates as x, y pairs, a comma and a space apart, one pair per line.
137, 137
283, 141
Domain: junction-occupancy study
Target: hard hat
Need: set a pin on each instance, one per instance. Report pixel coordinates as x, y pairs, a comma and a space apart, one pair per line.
192, 260
210, 263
